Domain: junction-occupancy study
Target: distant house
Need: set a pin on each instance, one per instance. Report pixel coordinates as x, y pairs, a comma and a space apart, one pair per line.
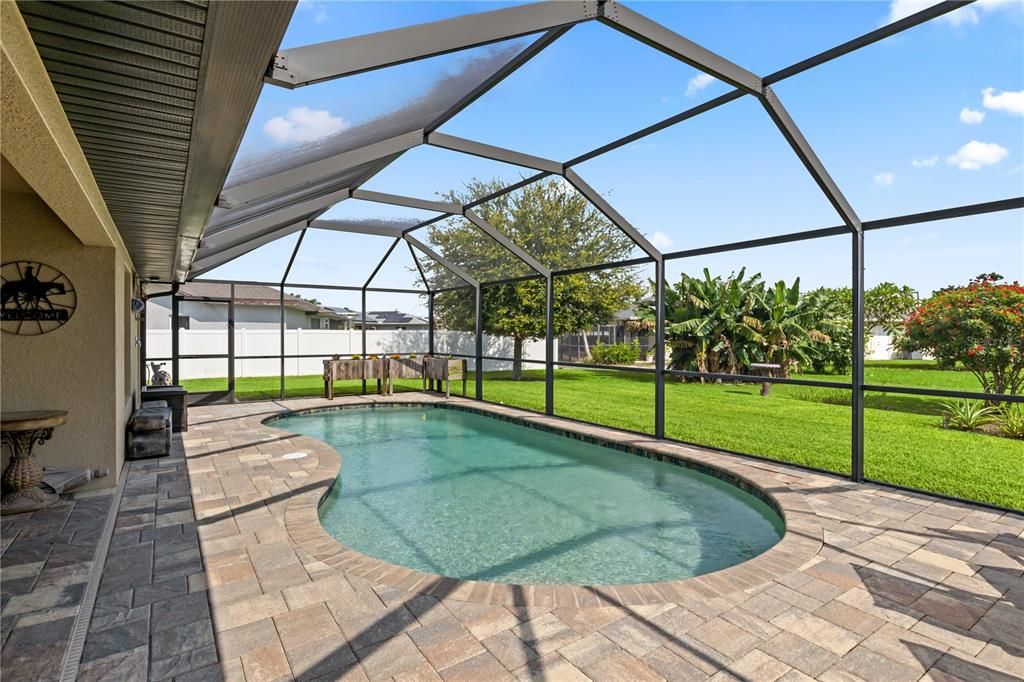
625, 326
256, 307
203, 307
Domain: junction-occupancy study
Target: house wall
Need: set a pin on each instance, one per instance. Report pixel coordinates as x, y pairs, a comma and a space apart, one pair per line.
51, 211
89, 366
205, 315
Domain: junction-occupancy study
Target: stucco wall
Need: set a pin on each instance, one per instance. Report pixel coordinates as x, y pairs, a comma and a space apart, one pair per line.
80, 367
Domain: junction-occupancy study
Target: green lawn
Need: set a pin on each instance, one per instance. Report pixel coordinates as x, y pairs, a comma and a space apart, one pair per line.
904, 439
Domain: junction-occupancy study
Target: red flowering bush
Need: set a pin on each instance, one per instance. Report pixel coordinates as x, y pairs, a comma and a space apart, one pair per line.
980, 326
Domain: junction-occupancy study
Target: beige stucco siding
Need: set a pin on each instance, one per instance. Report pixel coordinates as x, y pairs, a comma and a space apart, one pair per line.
80, 366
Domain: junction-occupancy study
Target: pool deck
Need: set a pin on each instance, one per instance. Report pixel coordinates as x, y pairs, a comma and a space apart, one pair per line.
237, 581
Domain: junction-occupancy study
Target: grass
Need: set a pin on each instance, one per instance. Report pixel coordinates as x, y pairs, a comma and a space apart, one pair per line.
905, 443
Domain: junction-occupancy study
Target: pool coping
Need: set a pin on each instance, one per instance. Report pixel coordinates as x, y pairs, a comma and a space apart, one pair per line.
801, 541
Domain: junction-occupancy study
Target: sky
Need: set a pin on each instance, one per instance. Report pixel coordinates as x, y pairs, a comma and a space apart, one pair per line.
928, 119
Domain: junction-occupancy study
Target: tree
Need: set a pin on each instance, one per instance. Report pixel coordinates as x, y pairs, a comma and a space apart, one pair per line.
833, 313
562, 230
980, 326
711, 323
886, 305
786, 323
722, 326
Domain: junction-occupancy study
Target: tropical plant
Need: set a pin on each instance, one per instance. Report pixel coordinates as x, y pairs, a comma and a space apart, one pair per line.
967, 415
615, 353
833, 313
786, 318
979, 326
724, 325
1011, 420
562, 230
711, 323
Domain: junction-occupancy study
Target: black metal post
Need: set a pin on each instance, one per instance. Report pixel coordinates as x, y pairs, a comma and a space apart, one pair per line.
142, 345
857, 403
281, 305
479, 343
362, 334
659, 348
430, 323
231, 345
175, 374
549, 347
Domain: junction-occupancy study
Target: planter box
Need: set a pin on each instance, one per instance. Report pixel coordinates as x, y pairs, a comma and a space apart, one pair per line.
444, 370
405, 368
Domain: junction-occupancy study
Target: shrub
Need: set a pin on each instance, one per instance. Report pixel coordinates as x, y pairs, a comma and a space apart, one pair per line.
1011, 420
980, 326
967, 415
616, 353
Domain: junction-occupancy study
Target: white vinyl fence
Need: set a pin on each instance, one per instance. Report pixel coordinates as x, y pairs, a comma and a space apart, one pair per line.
320, 342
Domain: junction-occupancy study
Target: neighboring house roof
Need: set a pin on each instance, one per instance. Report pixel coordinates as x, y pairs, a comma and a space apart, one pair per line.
245, 294
392, 317
336, 312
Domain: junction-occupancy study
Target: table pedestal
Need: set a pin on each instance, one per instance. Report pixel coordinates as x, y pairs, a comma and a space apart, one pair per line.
23, 475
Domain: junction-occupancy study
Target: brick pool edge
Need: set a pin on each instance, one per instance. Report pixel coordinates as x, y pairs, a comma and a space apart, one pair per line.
800, 543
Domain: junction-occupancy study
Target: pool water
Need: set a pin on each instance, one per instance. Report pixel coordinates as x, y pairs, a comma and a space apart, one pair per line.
469, 496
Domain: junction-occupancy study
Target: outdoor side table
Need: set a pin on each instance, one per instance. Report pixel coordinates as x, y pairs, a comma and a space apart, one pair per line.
765, 369
20, 432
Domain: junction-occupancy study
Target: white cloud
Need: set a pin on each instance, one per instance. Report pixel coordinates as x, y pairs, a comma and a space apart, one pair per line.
303, 124
320, 9
971, 116
885, 179
925, 163
974, 155
1008, 100
698, 83
661, 241
971, 14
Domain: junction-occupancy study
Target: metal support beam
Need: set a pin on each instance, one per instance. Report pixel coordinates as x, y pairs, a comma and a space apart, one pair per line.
857, 361
300, 66
419, 268
510, 67
430, 322
291, 260
507, 243
280, 308
271, 222
479, 335
362, 335
455, 269
315, 171
410, 202
651, 33
486, 151
175, 342
387, 254
549, 346
659, 349
609, 212
805, 152
208, 260
231, 344
356, 228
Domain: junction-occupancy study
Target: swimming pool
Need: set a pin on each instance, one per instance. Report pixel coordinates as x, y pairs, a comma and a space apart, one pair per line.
470, 496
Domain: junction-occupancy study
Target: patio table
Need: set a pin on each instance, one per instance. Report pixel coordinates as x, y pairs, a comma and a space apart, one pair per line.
20, 432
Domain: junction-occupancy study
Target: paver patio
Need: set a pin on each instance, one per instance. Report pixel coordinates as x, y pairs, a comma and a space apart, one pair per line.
898, 586
904, 586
